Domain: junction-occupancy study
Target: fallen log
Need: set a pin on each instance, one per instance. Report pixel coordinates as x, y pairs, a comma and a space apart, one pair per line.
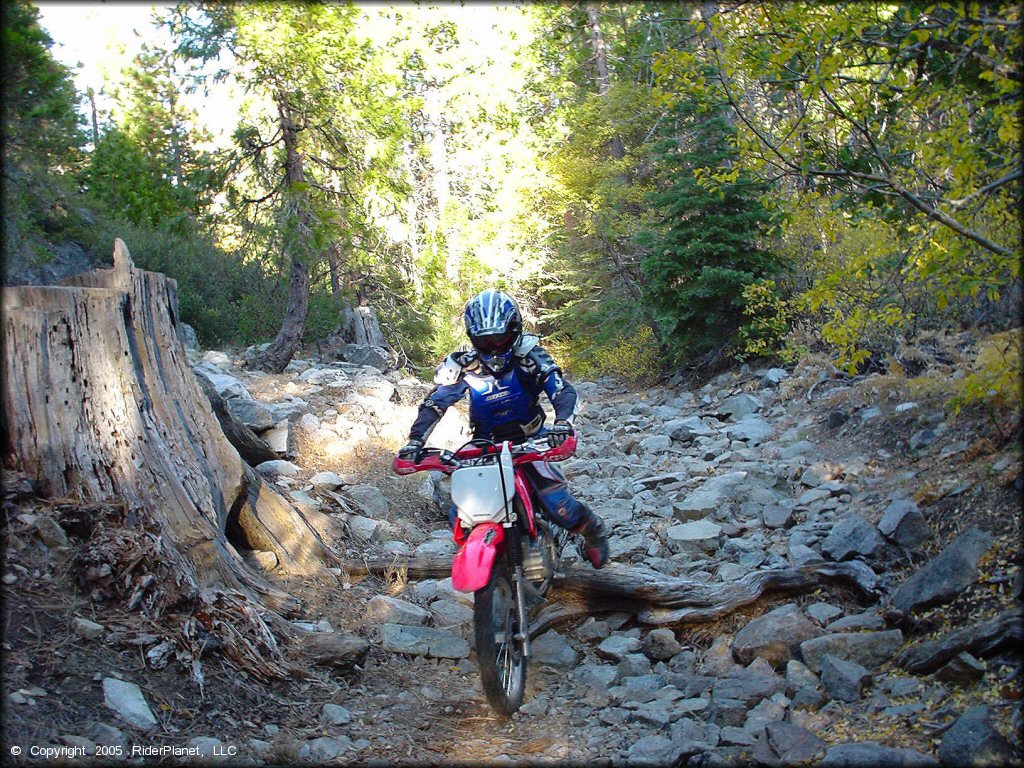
253, 450
652, 597
1000, 633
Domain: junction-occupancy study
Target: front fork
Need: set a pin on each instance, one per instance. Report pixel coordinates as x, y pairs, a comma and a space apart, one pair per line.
515, 554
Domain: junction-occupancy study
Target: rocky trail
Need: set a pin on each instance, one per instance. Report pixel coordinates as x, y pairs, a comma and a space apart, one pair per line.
757, 470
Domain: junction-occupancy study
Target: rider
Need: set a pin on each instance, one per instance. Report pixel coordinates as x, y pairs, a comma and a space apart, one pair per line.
504, 374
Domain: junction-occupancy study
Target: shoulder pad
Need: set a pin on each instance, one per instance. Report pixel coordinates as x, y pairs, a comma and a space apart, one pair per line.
539, 361
450, 371
527, 341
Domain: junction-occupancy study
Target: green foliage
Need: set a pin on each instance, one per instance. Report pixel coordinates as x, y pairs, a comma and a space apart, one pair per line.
707, 247
995, 379
40, 125
631, 357
764, 334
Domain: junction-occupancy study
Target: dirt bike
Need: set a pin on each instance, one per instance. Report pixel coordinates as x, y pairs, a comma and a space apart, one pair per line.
507, 555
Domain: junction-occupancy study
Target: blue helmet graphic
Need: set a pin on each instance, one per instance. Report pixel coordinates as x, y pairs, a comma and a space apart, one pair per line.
494, 325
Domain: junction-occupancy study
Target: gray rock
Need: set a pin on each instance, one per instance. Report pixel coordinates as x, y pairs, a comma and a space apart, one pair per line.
369, 499
752, 430
450, 613
362, 528
335, 714
90, 630
922, 438
869, 754
740, 406
326, 481
423, 641
903, 523
599, 675
946, 575
857, 621
787, 744
324, 749
661, 644
384, 609
870, 649
798, 676
686, 429
972, 740
368, 354
777, 517
226, 386
593, 629
718, 659
703, 534
277, 467
255, 415
852, 536
798, 448
633, 665
867, 414
713, 494
836, 418
617, 645
844, 680
774, 637
774, 377
277, 437
823, 613
817, 474
435, 548
725, 712
656, 444
963, 670
396, 547
106, 735
807, 699
553, 650
749, 685
128, 703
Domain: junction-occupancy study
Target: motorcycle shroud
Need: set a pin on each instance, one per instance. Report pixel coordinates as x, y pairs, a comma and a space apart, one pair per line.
472, 565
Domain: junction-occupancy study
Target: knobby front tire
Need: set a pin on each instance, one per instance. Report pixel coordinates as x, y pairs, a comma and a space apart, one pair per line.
499, 655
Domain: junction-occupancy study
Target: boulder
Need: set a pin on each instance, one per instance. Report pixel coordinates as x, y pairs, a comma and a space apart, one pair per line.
335, 714
128, 703
740, 406
870, 649
903, 523
254, 414
227, 386
868, 754
774, 637
750, 429
851, 536
368, 354
946, 575
962, 670
698, 534
686, 429
423, 641
844, 680
383, 609
369, 500
661, 644
783, 743
711, 496
972, 740
553, 650
616, 646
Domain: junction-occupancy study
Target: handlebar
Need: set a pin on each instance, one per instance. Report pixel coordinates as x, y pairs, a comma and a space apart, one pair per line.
439, 460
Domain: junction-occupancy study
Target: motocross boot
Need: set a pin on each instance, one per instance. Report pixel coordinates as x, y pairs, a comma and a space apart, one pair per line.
594, 538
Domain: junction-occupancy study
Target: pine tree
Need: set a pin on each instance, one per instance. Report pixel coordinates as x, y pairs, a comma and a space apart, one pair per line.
707, 246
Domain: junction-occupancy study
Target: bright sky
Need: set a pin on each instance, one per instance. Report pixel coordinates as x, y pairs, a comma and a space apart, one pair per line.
97, 39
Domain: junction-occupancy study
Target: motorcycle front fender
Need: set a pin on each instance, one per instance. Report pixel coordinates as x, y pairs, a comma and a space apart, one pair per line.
472, 565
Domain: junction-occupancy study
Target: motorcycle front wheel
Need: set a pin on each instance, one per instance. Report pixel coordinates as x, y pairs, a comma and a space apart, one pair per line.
499, 654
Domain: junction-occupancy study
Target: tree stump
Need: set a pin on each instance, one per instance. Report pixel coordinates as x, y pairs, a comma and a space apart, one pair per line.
101, 405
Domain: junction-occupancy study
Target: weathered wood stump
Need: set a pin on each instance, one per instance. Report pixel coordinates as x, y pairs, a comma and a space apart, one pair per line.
101, 405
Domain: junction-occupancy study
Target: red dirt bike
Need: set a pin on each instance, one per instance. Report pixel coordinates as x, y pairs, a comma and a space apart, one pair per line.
507, 555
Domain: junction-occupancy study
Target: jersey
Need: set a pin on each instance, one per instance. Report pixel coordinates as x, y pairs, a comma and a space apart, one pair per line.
503, 407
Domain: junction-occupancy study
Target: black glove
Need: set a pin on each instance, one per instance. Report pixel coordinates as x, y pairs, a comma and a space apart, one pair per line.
559, 432
411, 451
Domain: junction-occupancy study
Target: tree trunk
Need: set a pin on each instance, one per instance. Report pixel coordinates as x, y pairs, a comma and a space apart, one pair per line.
603, 78
281, 350
102, 406
652, 597
250, 447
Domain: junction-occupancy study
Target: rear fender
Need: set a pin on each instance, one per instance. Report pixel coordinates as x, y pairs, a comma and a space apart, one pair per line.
472, 565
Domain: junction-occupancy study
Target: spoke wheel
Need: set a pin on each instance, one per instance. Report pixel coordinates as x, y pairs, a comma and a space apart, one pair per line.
499, 654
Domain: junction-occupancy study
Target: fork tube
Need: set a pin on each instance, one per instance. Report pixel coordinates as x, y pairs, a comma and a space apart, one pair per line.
515, 551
